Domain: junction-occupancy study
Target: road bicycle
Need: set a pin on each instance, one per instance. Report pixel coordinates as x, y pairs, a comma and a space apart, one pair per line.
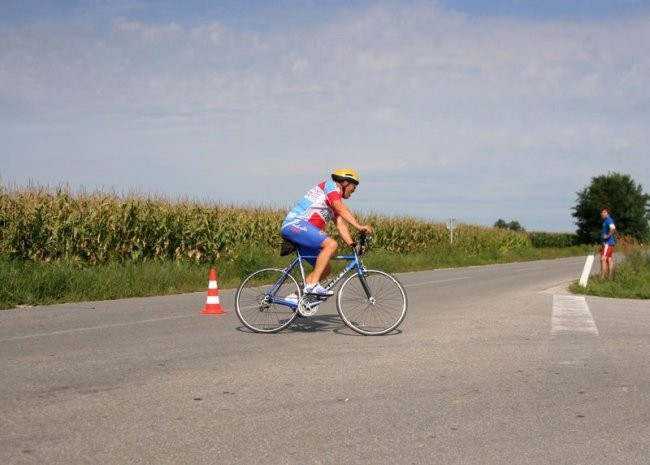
370, 302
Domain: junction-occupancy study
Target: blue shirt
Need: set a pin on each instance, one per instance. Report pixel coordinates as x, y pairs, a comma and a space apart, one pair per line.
605, 230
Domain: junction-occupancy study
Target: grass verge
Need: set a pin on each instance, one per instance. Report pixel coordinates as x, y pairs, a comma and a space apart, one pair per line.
28, 283
631, 280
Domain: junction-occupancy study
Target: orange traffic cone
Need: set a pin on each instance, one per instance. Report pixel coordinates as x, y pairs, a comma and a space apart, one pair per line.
212, 305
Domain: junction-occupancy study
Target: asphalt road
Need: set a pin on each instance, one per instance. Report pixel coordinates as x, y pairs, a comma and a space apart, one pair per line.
493, 365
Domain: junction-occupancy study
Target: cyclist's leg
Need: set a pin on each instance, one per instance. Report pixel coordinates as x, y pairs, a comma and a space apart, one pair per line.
322, 266
311, 240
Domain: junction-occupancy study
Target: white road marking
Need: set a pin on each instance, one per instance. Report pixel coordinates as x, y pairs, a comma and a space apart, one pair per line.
90, 328
572, 314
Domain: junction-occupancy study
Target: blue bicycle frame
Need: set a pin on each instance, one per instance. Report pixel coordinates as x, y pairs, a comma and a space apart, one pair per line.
354, 260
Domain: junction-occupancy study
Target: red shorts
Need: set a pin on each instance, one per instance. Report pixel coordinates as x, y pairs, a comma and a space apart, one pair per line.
606, 250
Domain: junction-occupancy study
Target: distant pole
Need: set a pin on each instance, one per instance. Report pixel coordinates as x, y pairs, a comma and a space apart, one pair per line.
451, 225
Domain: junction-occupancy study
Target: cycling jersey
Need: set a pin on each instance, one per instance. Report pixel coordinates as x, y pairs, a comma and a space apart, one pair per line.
316, 205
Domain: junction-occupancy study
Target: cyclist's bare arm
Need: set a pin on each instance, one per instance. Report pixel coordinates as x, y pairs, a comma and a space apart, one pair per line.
343, 212
344, 231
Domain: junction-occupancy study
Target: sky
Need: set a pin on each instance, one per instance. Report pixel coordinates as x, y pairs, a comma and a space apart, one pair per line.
463, 109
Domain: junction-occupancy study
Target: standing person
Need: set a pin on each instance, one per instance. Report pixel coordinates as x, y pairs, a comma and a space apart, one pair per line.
305, 224
607, 243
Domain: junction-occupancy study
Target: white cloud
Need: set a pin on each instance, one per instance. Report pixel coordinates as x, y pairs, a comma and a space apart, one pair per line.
213, 32
147, 33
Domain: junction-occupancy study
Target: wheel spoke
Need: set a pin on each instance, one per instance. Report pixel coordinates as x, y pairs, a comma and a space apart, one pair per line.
379, 313
260, 303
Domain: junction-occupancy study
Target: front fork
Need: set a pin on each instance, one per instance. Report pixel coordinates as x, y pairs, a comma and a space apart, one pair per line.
361, 272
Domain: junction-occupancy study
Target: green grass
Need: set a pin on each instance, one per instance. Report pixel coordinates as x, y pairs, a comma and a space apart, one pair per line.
37, 283
631, 280
28, 283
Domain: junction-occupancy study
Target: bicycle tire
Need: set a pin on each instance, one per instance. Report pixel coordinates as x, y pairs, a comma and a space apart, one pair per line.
380, 314
255, 305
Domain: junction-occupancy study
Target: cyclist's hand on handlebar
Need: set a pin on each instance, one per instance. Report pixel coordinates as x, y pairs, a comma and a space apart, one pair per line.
366, 229
360, 247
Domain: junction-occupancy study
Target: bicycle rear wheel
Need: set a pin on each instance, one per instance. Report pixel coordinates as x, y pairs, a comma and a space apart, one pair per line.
260, 300
375, 314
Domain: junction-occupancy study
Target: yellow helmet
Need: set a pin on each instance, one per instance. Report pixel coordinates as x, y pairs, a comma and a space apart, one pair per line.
345, 174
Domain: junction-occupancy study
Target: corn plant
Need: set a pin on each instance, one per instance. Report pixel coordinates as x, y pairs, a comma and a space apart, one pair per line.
94, 228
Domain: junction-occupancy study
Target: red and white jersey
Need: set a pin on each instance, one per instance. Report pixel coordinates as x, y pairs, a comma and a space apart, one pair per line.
316, 206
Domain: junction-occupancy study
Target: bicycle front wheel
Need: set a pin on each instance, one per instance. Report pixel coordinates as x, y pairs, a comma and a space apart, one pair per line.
373, 303
260, 300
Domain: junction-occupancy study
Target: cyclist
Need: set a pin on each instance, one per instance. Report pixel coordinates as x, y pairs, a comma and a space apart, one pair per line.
305, 224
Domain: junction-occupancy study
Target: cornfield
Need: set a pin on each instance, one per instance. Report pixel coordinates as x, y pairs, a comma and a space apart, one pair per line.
36, 224
40, 224
404, 235
558, 240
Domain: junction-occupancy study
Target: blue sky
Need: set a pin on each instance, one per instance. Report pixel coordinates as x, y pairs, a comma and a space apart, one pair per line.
467, 109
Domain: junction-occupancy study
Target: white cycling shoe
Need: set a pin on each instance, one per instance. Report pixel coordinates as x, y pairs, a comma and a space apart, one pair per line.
292, 298
317, 289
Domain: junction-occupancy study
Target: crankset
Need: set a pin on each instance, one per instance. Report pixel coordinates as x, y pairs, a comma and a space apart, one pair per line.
308, 305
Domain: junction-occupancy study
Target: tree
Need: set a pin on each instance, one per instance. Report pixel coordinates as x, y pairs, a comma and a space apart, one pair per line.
513, 225
625, 200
